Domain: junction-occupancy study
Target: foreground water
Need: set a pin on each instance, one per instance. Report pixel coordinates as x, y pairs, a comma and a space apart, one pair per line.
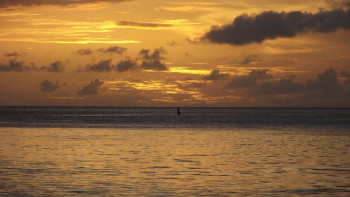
270, 154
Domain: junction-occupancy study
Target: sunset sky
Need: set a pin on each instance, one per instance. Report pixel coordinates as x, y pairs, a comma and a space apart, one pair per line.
208, 53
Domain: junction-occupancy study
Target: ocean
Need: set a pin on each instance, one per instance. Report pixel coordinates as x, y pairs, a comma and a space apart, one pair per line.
111, 151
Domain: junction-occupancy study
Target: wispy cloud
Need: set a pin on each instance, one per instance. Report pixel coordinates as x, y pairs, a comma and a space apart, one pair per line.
71, 41
12, 54
186, 70
83, 52
155, 86
29, 3
174, 24
143, 25
112, 50
190, 7
46, 30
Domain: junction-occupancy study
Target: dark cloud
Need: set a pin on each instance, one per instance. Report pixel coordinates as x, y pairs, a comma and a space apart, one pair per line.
56, 67
126, 65
149, 60
142, 24
109, 50
18, 66
83, 52
48, 86
345, 74
249, 80
92, 88
173, 43
14, 66
113, 49
12, 54
216, 75
102, 66
28, 3
156, 55
250, 59
152, 61
338, 4
283, 86
271, 25
154, 65
326, 84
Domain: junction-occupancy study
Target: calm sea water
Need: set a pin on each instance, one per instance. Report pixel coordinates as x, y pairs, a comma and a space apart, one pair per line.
60, 151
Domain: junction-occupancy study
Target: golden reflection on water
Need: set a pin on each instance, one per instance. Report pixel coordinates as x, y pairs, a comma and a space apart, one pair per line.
113, 162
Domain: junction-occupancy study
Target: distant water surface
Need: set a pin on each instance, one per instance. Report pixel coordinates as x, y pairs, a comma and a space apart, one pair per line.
154, 152
97, 117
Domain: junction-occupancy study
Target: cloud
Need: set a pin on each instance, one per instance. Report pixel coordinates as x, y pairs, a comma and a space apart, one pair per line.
271, 25
83, 52
56, 67
152, 61
12, 54
113, 49
173, 43
326, 84
29, 3
48, 86
126, 65
156, 55
102, 66
250, 59
216, 75
346, 75
142, 24
18, 66
92, 88
338, 4
109, 50
249, 80
14, 66
199, 6
149, 61
283, 86
154, 65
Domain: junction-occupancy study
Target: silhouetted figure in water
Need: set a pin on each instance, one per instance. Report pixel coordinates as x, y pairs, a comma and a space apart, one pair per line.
178, 111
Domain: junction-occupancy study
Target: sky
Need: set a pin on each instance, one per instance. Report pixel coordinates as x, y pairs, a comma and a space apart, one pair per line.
207, 53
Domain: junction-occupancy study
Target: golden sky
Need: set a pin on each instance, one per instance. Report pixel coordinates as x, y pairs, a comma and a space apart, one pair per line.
244, 53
